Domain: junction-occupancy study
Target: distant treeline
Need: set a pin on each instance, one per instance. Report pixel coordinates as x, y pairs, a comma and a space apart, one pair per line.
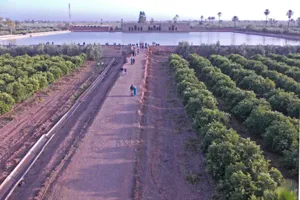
247, 51
93, 52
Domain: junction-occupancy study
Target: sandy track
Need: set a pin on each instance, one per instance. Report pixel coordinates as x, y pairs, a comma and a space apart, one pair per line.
36, 116
163, 161
103, 165
12, 37
65, 142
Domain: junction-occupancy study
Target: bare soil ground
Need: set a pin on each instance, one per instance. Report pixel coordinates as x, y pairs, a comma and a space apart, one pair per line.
21, 128
63, 145
166, 164
102, 167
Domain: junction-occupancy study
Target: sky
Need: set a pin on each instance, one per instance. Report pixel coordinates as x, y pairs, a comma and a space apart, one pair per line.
110, 10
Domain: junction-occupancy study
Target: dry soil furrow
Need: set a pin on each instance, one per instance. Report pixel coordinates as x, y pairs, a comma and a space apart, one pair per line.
164, 162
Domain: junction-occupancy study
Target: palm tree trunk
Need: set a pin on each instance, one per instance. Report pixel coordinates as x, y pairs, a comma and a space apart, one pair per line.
266, 20
288, 24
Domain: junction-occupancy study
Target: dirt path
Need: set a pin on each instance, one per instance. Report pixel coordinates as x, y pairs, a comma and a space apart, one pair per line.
12, 37
164, 162
103, 165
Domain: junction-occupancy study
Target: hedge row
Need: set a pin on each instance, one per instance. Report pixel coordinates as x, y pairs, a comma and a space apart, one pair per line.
279, 132
286, 102
236, 163
206, 50
22, 76
94, 52
281, 80
294, 56
290, 71
285, 59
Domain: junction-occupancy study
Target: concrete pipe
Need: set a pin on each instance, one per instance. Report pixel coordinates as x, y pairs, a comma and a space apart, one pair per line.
17, 173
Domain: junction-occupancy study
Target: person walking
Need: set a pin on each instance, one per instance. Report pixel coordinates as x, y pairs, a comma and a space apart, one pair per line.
131, 60
131, 90
134, 91
124, 71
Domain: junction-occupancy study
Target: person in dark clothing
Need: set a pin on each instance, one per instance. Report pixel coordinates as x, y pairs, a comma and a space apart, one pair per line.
133, 60
131, 89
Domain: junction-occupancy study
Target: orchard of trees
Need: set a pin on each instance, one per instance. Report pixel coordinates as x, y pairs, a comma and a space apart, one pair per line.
21, 76
247, 51
237, 164
259, 115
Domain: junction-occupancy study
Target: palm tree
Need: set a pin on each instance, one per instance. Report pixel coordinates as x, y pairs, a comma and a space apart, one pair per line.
267, 12
298, 21
209, 18
201, 19
219, 15
289, 13
235, 19
175, 19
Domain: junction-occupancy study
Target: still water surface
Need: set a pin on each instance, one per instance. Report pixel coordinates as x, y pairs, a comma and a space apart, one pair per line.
225, 38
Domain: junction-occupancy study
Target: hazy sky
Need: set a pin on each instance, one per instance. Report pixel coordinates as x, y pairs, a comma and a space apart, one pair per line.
158, 9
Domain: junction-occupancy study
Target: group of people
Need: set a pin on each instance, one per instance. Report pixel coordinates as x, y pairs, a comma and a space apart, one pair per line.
135, 49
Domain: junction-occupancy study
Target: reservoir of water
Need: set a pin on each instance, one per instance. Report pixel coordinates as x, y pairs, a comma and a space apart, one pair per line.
195, 38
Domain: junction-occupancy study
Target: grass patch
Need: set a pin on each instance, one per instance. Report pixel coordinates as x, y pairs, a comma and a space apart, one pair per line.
193, 178
192, 145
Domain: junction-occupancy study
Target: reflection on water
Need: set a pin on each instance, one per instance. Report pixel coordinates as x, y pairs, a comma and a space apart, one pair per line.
225, 38
233, 38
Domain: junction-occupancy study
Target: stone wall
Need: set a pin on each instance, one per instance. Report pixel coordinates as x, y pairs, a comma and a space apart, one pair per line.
156, 27
91, 28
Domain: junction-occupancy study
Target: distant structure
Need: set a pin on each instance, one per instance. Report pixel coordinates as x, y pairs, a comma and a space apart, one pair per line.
69, 15
156, 27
